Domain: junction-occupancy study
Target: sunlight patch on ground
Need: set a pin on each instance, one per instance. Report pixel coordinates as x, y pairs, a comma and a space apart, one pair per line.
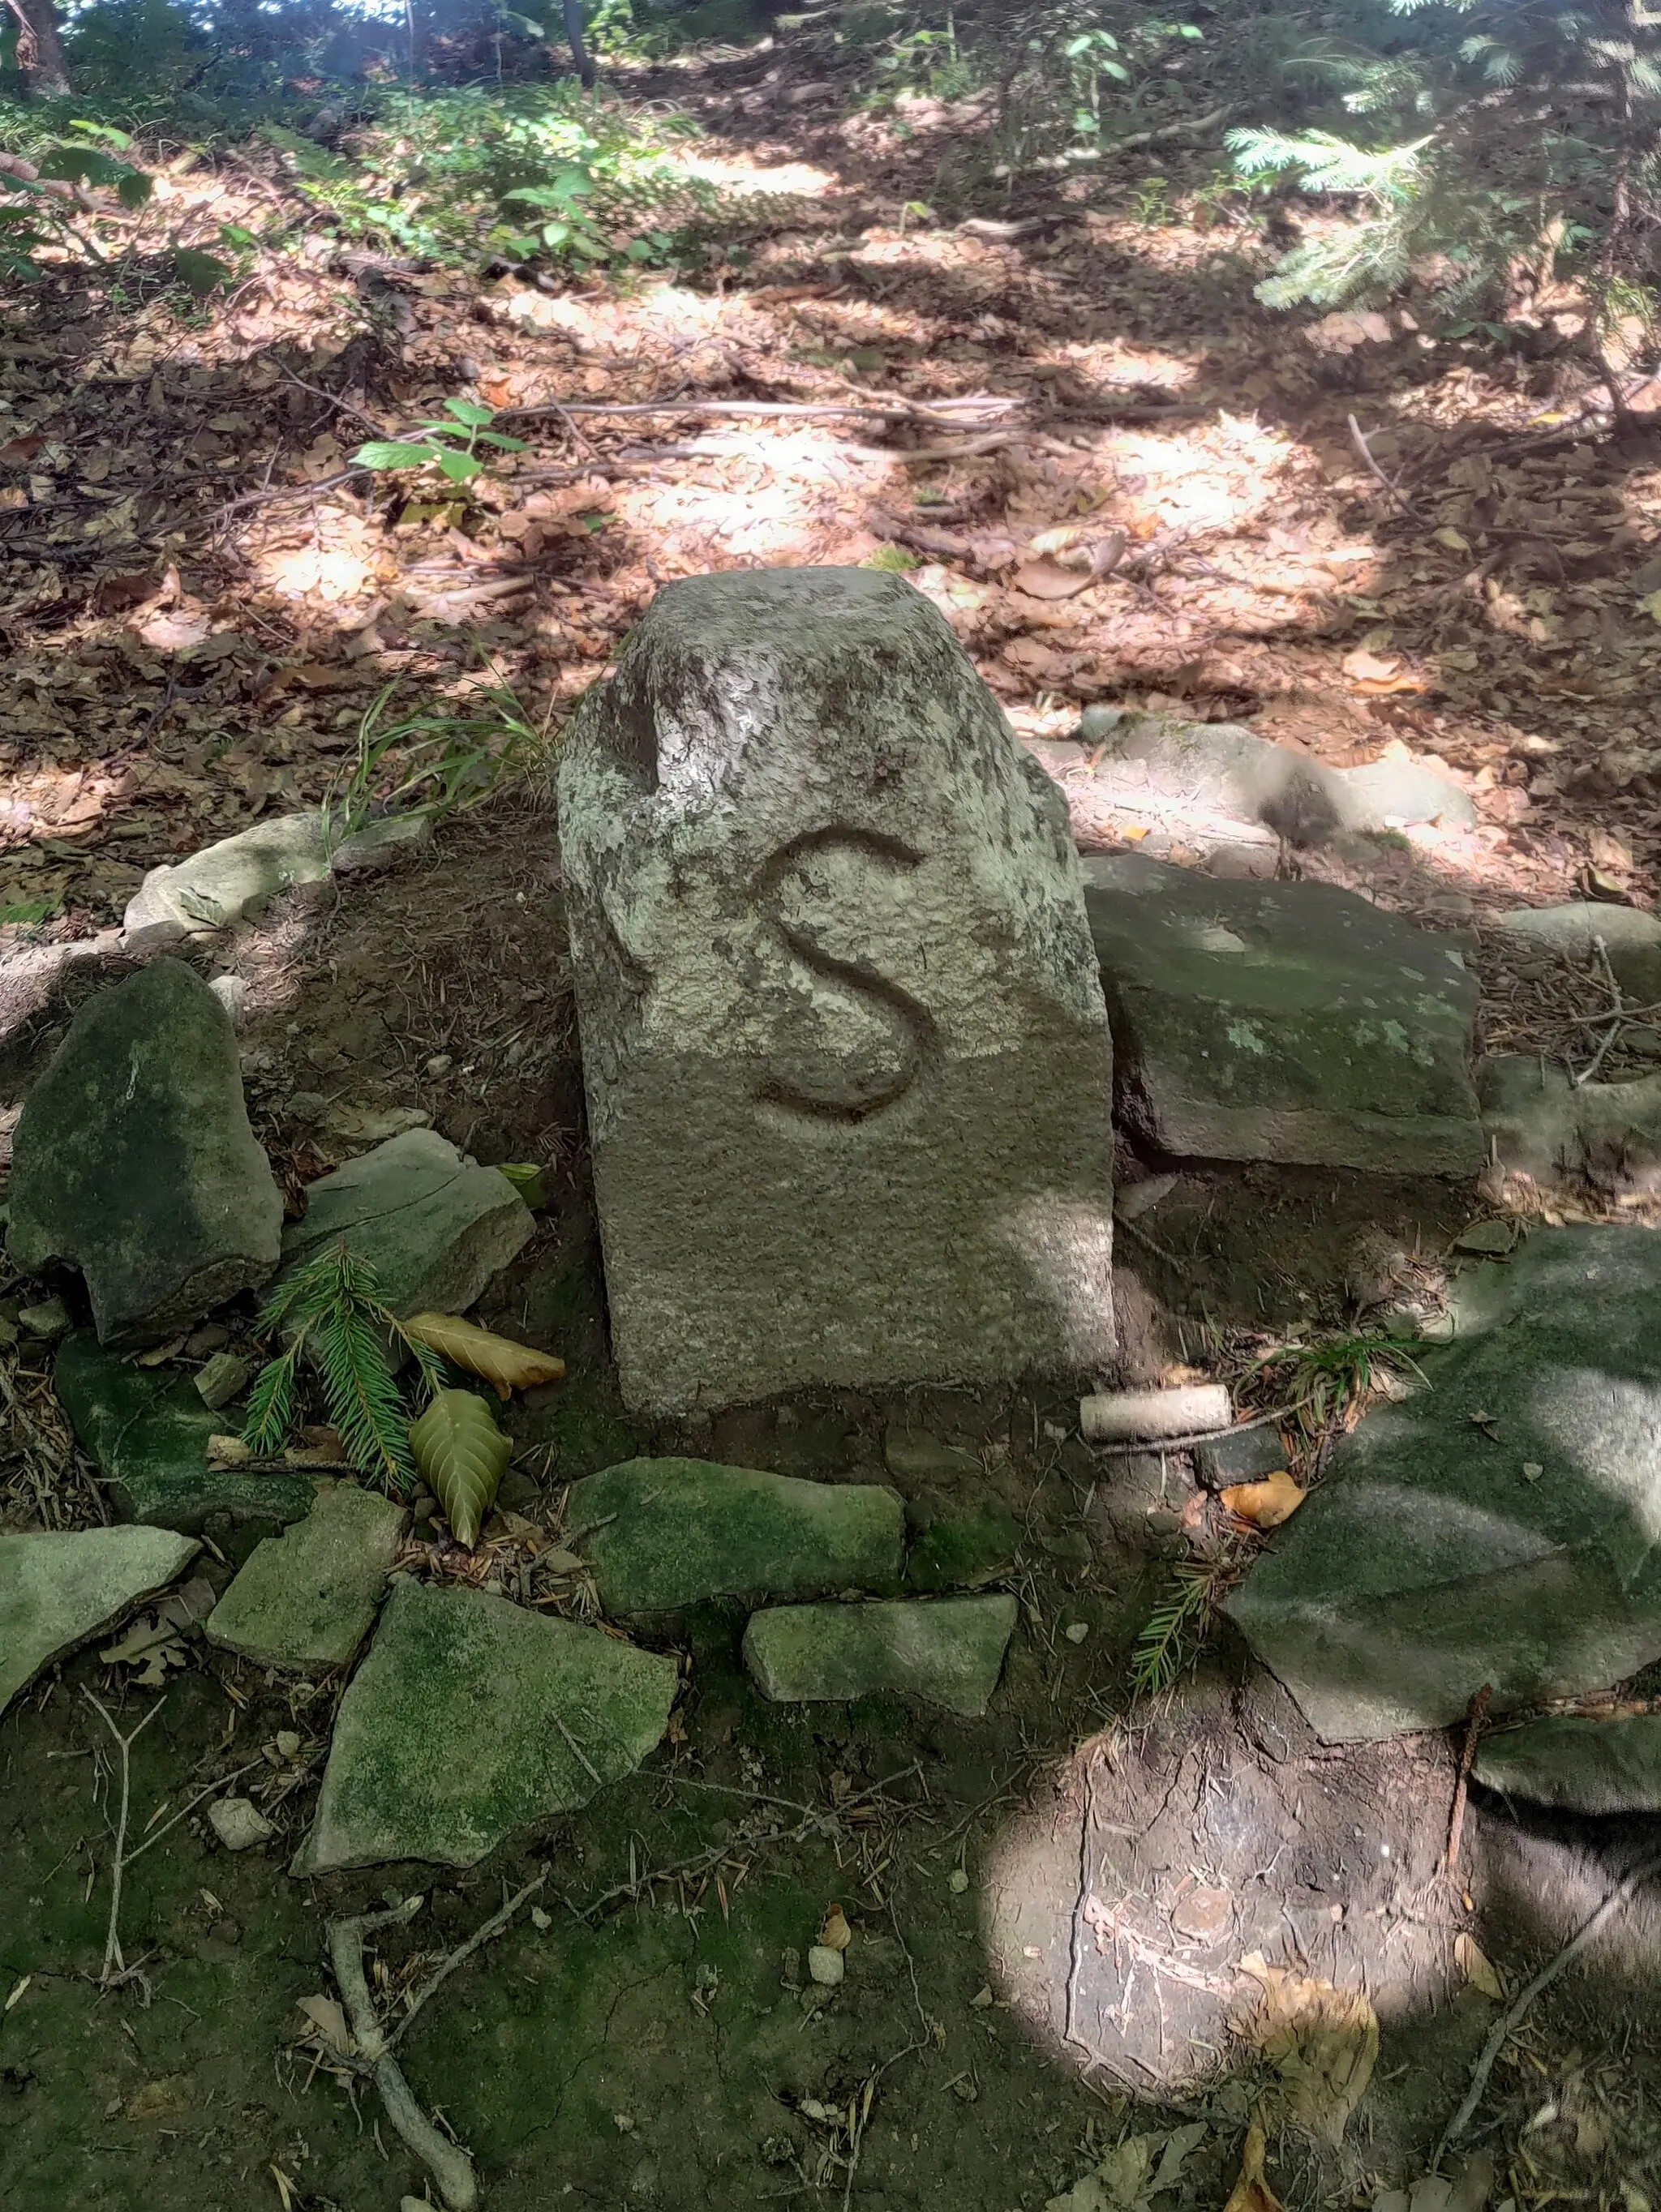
1213, 477
794, 179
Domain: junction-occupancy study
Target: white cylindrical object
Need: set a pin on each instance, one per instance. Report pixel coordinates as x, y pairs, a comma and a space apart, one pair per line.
1138, 1416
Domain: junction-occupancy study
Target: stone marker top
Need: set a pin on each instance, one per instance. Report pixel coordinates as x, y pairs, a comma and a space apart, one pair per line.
845, 1044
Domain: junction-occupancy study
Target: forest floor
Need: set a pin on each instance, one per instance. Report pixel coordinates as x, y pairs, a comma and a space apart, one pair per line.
199, 608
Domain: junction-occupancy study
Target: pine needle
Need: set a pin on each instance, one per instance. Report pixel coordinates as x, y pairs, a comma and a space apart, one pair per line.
1174, 1631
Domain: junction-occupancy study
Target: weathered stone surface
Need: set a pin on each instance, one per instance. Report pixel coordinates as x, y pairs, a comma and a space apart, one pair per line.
845, 1057
956, 1551
472, 1716
1241, 1455
308, 1597
1579, 1765
1502, 1525
134, 1161
59, 1587
147, 1432
1285, 1021
226, 882
1540, 1126
1631, 939
668, 1533
435, 1225
946, 1651
913, 1456
1225, 769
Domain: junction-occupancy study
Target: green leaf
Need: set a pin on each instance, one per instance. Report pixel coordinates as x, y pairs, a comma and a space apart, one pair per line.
469, 412
389, 454
463, 1455
461, 468
497, 438
31, 911
203, 272
527, 1179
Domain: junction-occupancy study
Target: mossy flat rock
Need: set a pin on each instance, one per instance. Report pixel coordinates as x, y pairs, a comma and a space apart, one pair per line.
146, 1429
135, 1163
948, 1652
956, 1551
1294, 1022
665, 1533
1502, 1525
229, 882
59, 1587
434, 1225
471, 1718
308, 1598
1578, 1763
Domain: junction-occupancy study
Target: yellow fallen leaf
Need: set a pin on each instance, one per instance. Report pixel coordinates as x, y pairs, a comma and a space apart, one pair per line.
1251, 2193
1265, 1503
1455, 540
507, 1365
835, 1935
1323, 2041
1477, 1968
1364, 667
1046, 580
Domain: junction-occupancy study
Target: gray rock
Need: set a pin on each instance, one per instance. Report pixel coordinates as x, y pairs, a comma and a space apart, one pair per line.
1502, 1525
239, 1823
59, 1587
435, 1225
49, 1319
847, 1063
1241, 1455
308, 1597
221, 1379
913, 1456
147, 1432
134, 1161
380, 843
1631, 939
226, 882
946, 1651
1222, 768
669, 1533
1580, 1763
471, 1718
1540, 1126
1285, 1022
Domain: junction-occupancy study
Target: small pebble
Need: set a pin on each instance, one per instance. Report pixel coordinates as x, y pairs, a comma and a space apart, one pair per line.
239, 1823
1076, 1631
287, 1742
49, 1319
826, 1966
222, 1379
956, 1881
440, 1064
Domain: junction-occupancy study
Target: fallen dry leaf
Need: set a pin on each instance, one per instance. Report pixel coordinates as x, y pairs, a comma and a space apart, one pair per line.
328, 2019
505, 1364
1265, 1503
1046, 580
1323, 2041
1251, 2193
175, 629
1477, 1968
1364, 667
835, 1935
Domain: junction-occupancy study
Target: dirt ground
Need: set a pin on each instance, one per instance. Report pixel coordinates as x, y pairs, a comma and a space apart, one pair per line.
198, 614
651, 2038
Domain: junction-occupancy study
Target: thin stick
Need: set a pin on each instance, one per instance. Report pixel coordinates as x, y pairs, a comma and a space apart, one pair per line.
1365, 451
1618, 1898
578, 1753
1474, 1719
1617, 1020
448, 2164
112, 1958
480, 1936
803, 408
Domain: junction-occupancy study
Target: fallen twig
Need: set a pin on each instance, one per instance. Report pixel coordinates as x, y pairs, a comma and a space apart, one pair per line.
1617, 1899
481, 1935
1474, 1720
448, 2163
1365, 451
943, 417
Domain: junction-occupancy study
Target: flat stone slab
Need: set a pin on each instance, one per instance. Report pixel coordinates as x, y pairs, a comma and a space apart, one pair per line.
1226, 769
309, 1597
1502, 1525
1578, 1763
1541, 1125
1632, 939
59, 1587
472, 1717
434, 1225
1294, 1022
134, 1161
670, 1532
147, 1430
846, 1061
226, 882
946, 1651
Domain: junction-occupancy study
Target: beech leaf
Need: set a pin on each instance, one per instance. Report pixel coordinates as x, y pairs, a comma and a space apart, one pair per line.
1265, 1503
1251, 2193
462, 1455
505, 1364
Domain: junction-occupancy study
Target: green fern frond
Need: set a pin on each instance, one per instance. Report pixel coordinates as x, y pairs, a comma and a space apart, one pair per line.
1173, 1632
362, 1396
